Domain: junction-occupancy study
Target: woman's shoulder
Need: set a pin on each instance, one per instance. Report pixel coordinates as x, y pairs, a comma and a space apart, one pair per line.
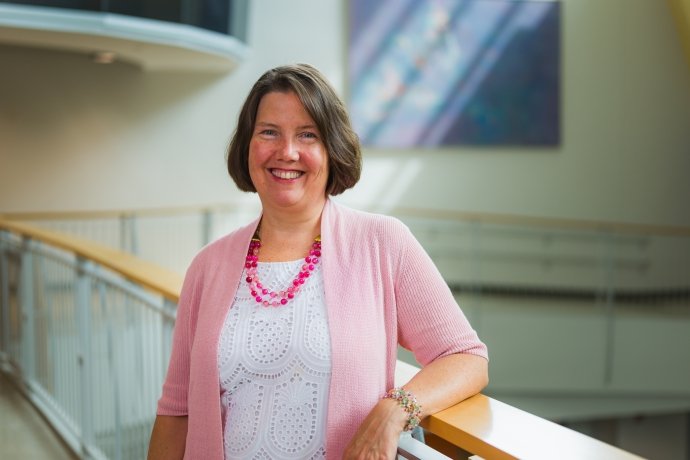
361, 217
355, 222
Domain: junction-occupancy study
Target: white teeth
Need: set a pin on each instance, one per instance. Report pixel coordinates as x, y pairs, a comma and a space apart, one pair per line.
286, 174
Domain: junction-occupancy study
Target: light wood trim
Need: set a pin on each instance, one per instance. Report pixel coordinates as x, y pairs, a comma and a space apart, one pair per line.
153, 277
497, 431
544, 222
110, 213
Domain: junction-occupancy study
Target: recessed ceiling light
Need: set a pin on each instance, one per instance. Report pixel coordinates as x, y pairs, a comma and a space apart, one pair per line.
103, 57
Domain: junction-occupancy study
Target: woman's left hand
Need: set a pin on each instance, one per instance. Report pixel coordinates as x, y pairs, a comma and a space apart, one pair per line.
377, 436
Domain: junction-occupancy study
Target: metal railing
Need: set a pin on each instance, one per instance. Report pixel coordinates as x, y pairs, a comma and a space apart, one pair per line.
87, 334
469, 248
611, 272
88, 346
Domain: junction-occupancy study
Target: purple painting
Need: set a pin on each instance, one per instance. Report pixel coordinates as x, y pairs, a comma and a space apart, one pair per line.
455, 72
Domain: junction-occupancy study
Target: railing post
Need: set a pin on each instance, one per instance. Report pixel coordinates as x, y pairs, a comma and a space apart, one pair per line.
5, 299
167, 334
133, 235
26, 296
477, 272
608, 293
206, 226
83, 304
129, 241
110, 342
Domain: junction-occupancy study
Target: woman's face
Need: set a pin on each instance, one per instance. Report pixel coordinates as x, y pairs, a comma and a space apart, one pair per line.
288, 162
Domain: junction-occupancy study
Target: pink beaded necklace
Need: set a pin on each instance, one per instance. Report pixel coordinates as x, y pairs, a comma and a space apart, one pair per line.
271, 298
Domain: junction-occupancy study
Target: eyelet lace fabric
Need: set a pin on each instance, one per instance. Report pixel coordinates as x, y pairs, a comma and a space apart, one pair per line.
275, 369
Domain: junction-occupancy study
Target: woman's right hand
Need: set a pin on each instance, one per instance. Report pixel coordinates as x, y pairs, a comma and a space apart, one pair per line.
378, 435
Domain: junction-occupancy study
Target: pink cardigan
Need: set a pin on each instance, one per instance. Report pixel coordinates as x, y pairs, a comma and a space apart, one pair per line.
381, 289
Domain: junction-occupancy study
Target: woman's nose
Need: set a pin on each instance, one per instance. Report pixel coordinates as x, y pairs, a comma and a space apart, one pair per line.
288, 151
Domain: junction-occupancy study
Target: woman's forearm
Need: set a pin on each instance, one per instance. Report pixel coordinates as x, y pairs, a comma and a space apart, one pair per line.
168, 438
439, 385
448, 380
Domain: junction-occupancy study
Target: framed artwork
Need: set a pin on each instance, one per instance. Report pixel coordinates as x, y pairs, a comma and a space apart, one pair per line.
435, 73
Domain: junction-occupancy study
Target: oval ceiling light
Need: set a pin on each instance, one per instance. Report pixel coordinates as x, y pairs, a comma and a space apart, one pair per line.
103, 57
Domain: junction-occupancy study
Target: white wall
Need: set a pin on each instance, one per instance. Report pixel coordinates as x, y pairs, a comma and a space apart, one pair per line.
74, 135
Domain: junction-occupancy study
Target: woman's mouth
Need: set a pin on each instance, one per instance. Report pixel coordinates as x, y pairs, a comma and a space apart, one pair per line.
285, 174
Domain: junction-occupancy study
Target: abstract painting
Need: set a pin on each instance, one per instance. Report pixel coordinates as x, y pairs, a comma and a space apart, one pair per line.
435, 73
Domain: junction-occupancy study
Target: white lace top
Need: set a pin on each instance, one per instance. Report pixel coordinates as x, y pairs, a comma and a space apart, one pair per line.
275, 369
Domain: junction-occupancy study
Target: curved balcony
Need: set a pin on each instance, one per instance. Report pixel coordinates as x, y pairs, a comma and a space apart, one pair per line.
150, 43
77, 316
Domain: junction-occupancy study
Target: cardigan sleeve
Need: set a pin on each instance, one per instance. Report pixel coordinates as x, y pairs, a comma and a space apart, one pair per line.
175, 388
430, 322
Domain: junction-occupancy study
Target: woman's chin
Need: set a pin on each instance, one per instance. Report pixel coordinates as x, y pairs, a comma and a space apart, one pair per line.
288, 201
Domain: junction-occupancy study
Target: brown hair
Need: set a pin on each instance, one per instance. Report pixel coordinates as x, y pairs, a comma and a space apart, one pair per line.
325, 108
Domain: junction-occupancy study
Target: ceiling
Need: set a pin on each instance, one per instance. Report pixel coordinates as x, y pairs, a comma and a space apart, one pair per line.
149, 44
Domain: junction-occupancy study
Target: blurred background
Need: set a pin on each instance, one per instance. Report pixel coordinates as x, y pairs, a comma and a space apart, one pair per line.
569, 253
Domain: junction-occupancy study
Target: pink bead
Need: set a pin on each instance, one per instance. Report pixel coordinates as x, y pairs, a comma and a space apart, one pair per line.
282, 297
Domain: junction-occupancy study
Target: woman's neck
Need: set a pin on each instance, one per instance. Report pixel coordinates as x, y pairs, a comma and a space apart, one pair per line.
287, 235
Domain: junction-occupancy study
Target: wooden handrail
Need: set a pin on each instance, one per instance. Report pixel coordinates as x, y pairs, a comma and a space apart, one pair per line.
152, 276
425, 213
497, 431
480, 425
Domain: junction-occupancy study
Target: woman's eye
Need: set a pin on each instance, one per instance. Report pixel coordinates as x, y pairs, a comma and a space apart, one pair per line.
268, 132
309, 135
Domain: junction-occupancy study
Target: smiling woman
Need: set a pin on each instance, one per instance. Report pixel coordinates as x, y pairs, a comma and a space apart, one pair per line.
287, 329
288, 163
